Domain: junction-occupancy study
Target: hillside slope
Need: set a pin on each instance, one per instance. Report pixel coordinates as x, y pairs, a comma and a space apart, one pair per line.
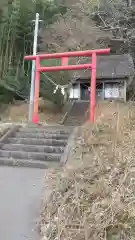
75, 30
93, 198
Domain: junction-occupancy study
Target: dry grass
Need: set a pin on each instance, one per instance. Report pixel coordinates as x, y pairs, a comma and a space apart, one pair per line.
4, 127
94, 198
18, 112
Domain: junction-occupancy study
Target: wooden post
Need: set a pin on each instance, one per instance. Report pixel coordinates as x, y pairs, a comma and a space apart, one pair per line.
125, 91
79, 88
103, 89
93, 89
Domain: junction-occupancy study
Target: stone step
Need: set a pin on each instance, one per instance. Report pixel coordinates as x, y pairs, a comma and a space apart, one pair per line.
41, 135
28, 163
75, 124
77, 115
54, 128
33, 148
75, 119
46, 130
52, 157
35, 141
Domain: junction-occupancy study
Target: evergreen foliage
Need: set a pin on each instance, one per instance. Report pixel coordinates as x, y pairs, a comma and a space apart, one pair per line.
16, 40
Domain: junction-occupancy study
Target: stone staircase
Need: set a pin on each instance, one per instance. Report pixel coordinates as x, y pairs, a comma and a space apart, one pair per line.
35, 147
78, 114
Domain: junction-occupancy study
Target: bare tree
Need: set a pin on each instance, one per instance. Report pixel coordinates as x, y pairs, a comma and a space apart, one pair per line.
117, 17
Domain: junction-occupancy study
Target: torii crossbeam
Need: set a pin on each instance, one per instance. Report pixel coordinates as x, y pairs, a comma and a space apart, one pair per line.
65, 67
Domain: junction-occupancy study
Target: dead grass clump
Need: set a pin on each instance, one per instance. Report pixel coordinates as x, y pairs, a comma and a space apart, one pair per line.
18, 112
95, 198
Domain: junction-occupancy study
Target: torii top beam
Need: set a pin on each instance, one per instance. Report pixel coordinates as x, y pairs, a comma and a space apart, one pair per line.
86, 53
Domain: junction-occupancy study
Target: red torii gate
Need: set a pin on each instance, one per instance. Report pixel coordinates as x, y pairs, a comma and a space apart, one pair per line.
65, 67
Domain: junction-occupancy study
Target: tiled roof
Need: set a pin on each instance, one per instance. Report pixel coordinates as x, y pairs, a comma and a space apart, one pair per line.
109, 66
